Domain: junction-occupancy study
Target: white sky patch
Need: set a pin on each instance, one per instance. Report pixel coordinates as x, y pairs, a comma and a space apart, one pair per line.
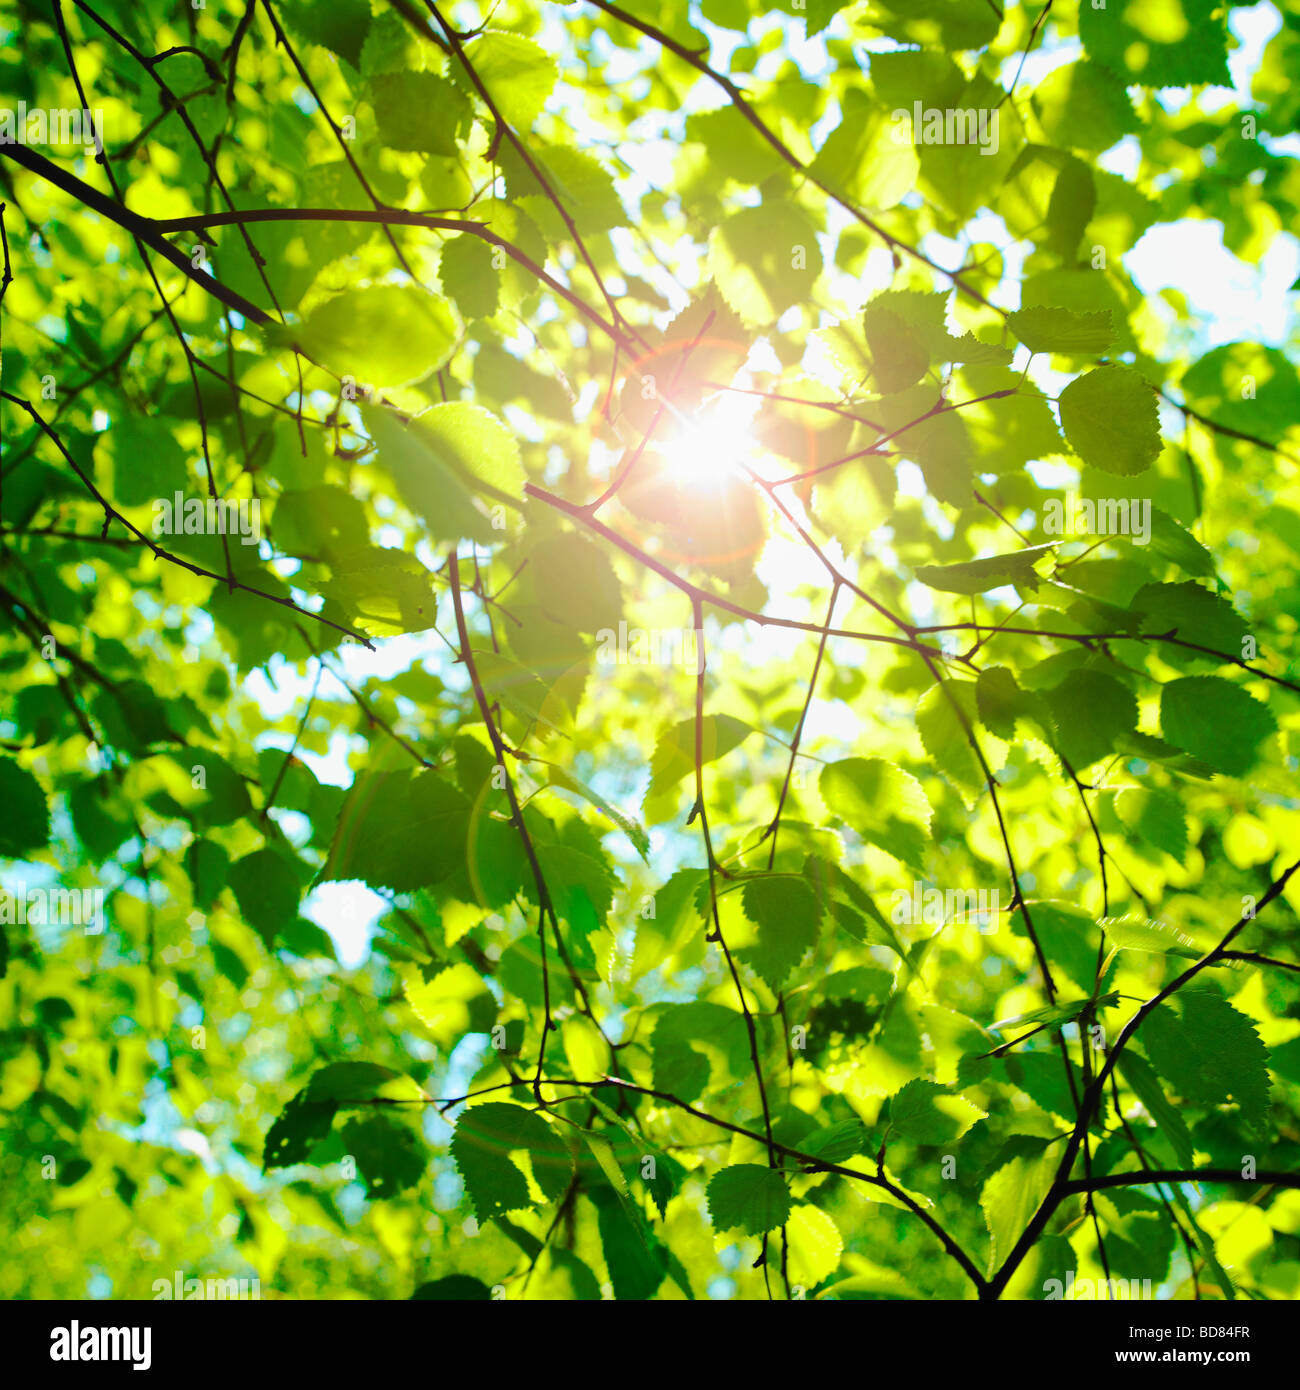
1232, 299
348, 912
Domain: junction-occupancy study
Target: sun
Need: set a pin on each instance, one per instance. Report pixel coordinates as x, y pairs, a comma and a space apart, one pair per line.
706, 451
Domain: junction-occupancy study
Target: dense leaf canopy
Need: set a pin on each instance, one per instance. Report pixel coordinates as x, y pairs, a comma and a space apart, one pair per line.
674, 684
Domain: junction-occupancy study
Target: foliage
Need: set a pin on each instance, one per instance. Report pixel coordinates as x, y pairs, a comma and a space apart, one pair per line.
798, 866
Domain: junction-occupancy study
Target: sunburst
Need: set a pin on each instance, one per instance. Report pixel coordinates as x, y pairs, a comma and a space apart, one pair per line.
705, 451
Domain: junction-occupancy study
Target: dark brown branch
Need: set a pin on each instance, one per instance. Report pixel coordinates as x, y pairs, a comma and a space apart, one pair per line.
1057, 1192
142, 227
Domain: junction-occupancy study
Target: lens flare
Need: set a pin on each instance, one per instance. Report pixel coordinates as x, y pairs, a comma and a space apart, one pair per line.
705, 451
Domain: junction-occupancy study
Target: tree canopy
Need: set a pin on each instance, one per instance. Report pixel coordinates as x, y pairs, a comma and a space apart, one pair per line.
656, 674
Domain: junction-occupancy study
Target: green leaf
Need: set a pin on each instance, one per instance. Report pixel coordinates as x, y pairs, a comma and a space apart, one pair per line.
1068, 936
224, 789
357, 1083
1011, 1197
478, 447
765, 259
635, 1148
446, 188
815, 1245
301, 1125
1000, 700
992, 572
1084, 105
1284, 1059
1166, 43
749, 1197
670, 921
1044, 329
24, 813
208, 866
1073, 201
399, 830
945, 734
488, 1137
318, 522
1109, 417
950, 24
1143, 934
862, 159
928, 1113
1156, 817
230, 964
513, 685
674, 755
603, 1152
1055, 1015
680, 1066
1177, 545
574, 580
785, 912
148, 463
577, 179
581, 885
414, 456
341, 27
1210, 1054
630, 827
1091, 712
882, 803
570, 1278
450, 1004
379, 336
519, 74
1216, 721
468, 275
838, 1142
636, 1261
1084, 291
938, 444
1245, 386
630, 1242
382, 592
1041, 1077
389, 46
133, 716
906, 330
388, 1156
880, 1284
899, 357
1194, 613
462, 1288
840, 899
735, 148
267, 889
98, 818
419, 111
